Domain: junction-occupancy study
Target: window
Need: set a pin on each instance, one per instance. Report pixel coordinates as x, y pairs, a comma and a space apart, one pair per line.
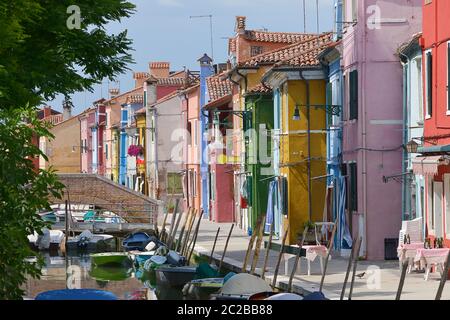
430, 215
213, 185
189, 130
419, 101
192, 183
429, 82
106, 151
106, 119
447, 203
255, 50
353, 187
174, 183
354, 10
437, 208
353, 95
195, 136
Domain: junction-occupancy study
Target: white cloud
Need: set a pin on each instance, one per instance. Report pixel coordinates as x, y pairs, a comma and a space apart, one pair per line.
170, 3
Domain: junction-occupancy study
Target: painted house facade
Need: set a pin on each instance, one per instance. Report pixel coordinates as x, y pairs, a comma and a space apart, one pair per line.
433, 162
372, 122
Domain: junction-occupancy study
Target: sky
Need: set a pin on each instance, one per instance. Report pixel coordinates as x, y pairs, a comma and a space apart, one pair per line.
162, 30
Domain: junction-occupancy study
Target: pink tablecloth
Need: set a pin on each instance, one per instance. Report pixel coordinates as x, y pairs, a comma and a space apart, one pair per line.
431, 256
313, 251
409, 250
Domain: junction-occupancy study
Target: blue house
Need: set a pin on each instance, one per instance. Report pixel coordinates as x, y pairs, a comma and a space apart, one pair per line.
206, 70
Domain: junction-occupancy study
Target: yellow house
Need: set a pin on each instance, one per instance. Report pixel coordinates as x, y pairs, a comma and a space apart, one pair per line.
300, 153
141, 160
64, 151
115, 153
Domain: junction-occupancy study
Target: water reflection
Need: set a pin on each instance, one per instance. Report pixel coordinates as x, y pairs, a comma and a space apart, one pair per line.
77, 272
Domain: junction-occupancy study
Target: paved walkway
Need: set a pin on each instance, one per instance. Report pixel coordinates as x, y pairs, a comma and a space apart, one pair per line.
365, 288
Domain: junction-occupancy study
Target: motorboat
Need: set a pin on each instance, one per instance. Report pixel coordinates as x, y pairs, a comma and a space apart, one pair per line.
87, 241
49, 240
137, 241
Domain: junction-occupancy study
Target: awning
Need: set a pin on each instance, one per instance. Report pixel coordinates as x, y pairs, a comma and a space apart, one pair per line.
429, 165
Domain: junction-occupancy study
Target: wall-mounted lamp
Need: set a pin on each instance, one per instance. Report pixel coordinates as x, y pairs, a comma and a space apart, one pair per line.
296, 116
412, 147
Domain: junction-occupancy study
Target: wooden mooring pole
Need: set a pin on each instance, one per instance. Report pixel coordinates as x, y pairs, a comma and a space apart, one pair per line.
280, 255
214, 245
226, 247
266, 258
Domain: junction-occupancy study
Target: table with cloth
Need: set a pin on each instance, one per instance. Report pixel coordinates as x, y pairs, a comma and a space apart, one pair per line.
430, 257
407, 252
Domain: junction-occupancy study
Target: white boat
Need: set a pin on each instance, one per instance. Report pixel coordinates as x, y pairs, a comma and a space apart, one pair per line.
88, 241
50, 239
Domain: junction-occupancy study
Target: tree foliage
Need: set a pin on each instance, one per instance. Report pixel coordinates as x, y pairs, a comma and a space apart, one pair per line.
40, 57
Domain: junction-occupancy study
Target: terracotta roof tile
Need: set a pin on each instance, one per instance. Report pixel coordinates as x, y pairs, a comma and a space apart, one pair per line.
217, 87
277, 37
260, 88
290, 51
172, 81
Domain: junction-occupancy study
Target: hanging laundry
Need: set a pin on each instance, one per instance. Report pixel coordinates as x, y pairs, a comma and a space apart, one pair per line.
273, 186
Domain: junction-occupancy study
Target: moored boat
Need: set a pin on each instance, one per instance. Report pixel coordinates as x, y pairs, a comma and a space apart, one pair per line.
87, 241
137, 241
110, 258
76, 294
175, 276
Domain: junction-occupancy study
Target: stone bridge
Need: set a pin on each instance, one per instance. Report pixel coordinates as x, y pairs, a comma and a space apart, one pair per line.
105, 194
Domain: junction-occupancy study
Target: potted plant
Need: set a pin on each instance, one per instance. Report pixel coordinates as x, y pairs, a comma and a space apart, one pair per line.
135, 150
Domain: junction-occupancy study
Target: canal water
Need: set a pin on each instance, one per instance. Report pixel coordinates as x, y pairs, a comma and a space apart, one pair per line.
77, 272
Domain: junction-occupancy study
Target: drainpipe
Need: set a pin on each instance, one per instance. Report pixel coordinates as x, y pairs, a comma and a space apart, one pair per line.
364, 134
185, 180
308, 116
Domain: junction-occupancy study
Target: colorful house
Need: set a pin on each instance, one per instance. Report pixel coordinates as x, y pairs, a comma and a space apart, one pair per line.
219, 107
373, 116
434, 162
242, 48
413, 186
190, 98
299, 81
63, 151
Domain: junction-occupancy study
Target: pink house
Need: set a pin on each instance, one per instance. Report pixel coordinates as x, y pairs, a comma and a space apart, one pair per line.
373, 115
190, 115
86, 119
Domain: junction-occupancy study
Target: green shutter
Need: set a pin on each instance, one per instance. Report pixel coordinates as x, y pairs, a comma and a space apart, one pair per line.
354, 95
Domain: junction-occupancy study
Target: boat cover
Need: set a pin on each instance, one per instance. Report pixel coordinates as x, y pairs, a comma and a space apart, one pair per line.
245, 284
76, 294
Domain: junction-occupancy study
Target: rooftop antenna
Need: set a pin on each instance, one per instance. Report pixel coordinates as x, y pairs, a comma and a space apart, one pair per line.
211, 30
317, 10
304, 16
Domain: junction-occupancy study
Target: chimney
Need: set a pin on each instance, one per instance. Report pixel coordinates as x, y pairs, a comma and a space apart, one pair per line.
240, 24
159, 69
139, 78
113, 93
67, 109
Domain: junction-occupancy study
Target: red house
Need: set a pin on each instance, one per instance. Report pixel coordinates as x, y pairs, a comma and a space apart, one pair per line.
434, 162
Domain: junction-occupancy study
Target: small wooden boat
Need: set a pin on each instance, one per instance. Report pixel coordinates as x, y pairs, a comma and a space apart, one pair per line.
76, 294
136, 241
110, 273
110, 258
203, 288
175, 276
